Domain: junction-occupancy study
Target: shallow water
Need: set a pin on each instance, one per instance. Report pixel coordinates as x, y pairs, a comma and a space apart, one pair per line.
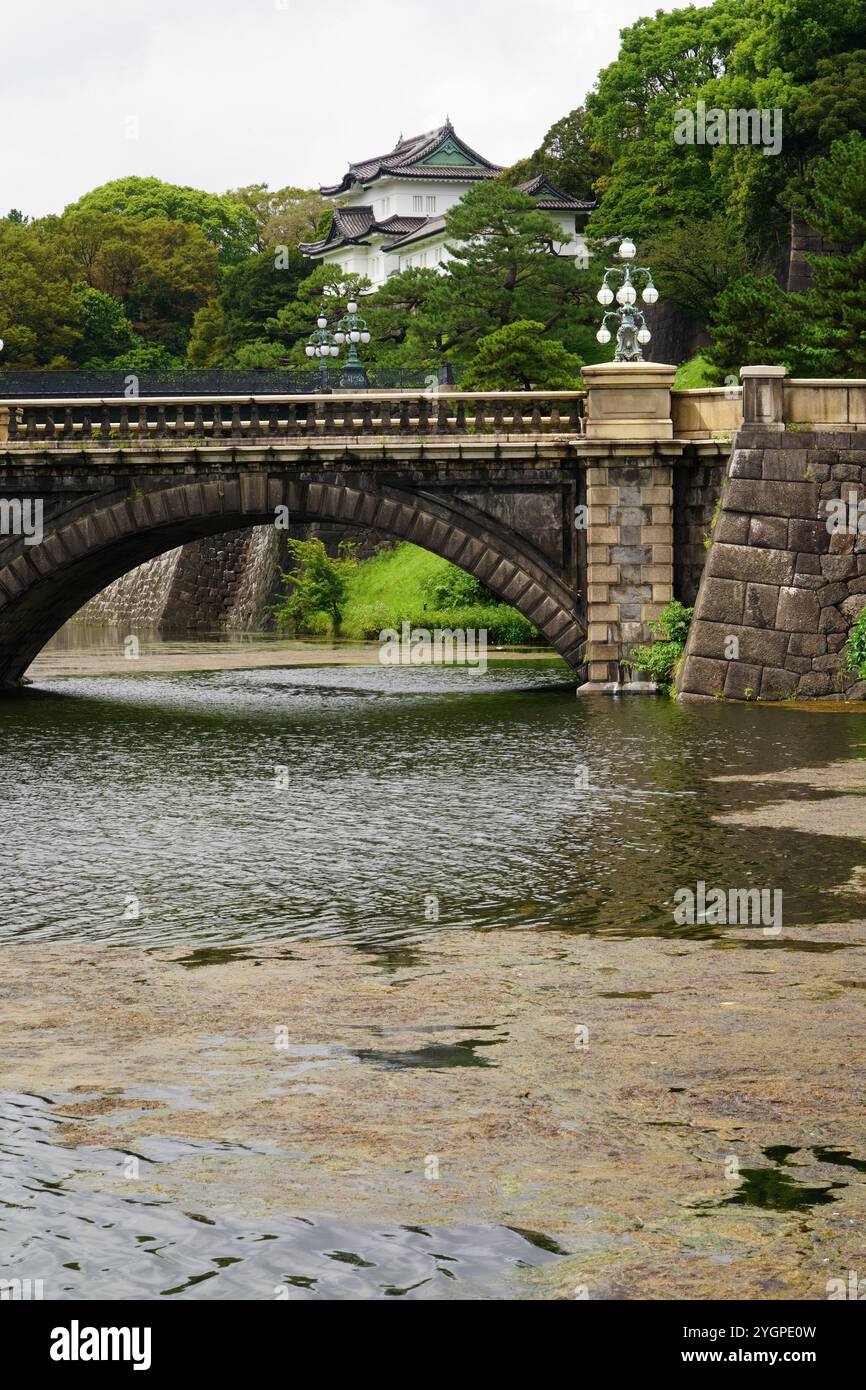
81, 1242
379, 807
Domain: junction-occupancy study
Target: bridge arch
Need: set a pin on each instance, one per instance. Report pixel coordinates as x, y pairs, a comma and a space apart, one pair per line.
98, 539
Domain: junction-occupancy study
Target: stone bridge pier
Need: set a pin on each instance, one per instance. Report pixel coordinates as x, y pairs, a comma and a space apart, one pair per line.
629, 516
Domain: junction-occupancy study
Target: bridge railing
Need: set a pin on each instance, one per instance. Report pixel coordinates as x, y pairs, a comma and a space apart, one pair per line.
166, 420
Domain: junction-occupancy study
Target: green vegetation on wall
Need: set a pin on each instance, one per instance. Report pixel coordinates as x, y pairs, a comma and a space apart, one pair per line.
659, 661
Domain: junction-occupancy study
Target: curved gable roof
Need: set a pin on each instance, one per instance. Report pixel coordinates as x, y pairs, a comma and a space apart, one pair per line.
355, 225
435, 154
551, 198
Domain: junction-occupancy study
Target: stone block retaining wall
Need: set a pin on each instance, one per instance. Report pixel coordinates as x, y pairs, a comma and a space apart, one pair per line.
697, 489
777, 580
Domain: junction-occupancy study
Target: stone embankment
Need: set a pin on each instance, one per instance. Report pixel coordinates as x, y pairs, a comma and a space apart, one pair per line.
784, 581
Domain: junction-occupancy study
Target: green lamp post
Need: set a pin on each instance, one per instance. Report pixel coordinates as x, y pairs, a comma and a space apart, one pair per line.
352, 329
322, 344
632, 333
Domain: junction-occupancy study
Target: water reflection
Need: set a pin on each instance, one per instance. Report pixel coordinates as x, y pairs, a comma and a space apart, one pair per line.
280, 804
110, 1244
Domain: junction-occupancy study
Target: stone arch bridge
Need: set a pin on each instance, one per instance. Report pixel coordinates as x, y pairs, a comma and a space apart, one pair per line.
562, 503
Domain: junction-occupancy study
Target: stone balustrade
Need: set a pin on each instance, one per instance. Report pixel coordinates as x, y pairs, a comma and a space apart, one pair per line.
184, 419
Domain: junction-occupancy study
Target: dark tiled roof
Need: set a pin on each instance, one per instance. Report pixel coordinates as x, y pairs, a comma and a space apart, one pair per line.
403, 160
552, 199
355, 225
430, 226
399, 226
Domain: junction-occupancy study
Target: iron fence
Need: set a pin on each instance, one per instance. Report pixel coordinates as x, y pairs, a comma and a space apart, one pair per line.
277, 381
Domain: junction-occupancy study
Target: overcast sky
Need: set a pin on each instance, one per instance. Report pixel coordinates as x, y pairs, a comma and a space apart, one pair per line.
218, 93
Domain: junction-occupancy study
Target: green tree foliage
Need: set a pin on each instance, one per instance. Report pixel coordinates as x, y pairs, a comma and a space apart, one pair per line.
226, 223
318, 585
755, 321
256, 290
838, 301
694, 261
504, 269
161, 271
822, 333
208, 345
106, 332
664, 64
402, 333
259, 352
521, 356
284, 216
566, 157
325, 291
39, 310
801, 59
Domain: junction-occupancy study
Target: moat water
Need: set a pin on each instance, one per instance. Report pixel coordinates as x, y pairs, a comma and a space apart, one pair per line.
375, 807
334, 801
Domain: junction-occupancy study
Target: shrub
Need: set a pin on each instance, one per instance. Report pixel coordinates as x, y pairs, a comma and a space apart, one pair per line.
855, 647
504, 625
318, 587
454, 588
660, 660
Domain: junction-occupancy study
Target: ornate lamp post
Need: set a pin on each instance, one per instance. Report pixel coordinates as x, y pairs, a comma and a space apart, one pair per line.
632, 333
322, 344
352, 329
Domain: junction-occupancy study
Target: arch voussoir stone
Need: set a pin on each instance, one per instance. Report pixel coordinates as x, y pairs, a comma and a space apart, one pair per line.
86, 550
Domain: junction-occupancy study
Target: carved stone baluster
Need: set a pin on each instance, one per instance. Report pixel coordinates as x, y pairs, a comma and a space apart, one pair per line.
536, 418
517, 419
217, 427
366, 418
86, 424
237, 427
142, 424
497, 417
123, 426
461, 416
555, 420
12, 426
330, 427
405, 417
30, 416
312, 418
574, 414
273, 420
480, 419
423, 416
442, 417
198, 421
180, 430
292, 419
161, 427
105, 424
49, 424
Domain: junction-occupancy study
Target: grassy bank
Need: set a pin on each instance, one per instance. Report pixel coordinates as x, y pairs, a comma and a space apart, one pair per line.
407, 584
